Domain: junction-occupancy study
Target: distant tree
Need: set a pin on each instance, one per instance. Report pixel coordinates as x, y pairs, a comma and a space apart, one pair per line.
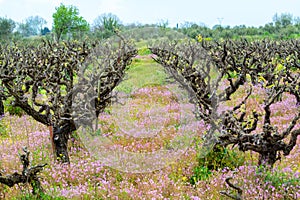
269, 27
106, 24
288, 31
133, 25
23, 29
7, 27
283, 20
32, 26
193, 30
297, 21
45, 31
163, 23
66, 20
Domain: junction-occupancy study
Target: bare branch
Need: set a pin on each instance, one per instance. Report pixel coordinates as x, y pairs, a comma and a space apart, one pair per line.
29, 175
239, 194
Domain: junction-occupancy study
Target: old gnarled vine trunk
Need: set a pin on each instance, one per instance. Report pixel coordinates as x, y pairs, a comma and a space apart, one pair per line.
60, 142
1, 108
267, 158
270, 66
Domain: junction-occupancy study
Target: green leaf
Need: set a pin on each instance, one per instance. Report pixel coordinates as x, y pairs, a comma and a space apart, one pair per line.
279, 68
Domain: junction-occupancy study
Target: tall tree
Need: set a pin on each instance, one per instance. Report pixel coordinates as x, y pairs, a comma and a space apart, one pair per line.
106, 24
66, 20
7, 27
33, 26
283, 20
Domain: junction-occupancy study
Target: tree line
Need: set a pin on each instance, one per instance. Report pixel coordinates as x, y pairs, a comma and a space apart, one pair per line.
284, 26
67, 23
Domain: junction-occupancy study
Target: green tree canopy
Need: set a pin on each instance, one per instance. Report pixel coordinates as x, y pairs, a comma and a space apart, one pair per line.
66, 20
283, 20
45, 31
7, 27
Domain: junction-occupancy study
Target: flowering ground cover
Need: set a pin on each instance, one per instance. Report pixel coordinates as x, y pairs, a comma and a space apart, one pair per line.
148, 118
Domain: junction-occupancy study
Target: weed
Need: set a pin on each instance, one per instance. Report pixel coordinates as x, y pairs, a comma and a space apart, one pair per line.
278, 179
200, 173
216, 159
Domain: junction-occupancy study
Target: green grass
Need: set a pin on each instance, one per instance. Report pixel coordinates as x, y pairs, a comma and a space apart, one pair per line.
144, 51
142, 72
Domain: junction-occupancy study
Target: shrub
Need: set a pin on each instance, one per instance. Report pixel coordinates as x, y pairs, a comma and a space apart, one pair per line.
200, 173
221, 157
217, 159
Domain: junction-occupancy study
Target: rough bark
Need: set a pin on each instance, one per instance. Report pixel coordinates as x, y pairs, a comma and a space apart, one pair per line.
238, 196
268, 158
1, 107
41, 81
273, 66
28, 175
60, 141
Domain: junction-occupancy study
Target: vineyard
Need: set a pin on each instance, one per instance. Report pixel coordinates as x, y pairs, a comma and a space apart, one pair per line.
161, 116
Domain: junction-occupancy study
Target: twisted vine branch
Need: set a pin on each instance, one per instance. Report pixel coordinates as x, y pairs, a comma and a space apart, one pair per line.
28, 175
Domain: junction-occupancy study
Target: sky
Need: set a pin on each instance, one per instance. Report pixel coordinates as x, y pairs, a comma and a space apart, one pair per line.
209, 12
